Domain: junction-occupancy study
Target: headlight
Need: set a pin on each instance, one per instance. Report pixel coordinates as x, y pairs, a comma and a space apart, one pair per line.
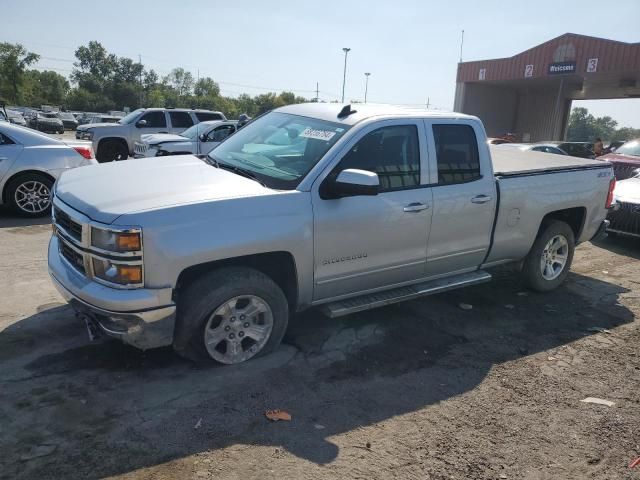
87, 135
116, 241
119, 273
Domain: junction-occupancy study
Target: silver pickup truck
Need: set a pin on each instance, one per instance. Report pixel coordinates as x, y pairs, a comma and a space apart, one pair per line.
341, 207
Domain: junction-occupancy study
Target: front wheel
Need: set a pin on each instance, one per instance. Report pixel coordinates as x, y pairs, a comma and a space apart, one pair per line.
230, 316
549, 260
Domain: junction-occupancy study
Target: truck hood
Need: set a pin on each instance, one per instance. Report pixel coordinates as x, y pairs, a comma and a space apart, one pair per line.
619, 157
156, 138
86, 126
106, 191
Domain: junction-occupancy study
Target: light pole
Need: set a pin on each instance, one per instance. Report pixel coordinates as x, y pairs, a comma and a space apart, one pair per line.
344, 75
366, 85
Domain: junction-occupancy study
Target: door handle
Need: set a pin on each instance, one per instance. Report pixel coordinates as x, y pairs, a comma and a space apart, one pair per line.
481, 199
415, 207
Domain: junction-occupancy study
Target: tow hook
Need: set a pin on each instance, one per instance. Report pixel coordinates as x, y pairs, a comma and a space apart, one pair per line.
92, 329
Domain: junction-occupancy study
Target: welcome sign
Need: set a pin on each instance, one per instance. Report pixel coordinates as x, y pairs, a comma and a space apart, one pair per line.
559, 68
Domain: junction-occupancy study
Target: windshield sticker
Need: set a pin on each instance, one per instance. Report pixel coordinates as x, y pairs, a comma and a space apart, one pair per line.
325, 135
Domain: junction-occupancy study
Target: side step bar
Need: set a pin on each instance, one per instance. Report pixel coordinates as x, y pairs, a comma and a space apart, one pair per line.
379, 299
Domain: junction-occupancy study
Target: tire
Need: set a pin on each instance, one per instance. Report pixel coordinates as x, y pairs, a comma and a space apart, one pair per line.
202, 314
29, 195
112, 150
537, 274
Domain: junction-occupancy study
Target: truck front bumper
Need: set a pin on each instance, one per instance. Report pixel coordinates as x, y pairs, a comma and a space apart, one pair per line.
144, 318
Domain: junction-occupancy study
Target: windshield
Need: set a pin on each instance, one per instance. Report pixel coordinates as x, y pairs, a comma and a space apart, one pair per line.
67, 116
279, 148
131, 117
630, 148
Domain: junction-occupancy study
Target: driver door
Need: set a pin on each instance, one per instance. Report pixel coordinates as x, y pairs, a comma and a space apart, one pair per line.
363, 243
215, 136
156, 122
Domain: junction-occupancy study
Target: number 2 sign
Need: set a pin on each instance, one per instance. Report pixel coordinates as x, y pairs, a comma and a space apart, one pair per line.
528, 71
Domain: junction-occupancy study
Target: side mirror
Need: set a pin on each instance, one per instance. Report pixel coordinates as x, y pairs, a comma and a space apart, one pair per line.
141, 123
353, 182
202, 137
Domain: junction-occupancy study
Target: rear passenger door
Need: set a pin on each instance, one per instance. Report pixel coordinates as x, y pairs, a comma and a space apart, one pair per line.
464, 197
180, 121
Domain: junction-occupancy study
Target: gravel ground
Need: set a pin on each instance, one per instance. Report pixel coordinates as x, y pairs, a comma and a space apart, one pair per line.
422, 389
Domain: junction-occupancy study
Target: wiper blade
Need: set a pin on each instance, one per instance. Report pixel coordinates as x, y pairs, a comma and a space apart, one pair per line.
240, 171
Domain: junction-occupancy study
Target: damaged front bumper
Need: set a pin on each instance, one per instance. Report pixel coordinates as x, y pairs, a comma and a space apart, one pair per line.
130, 315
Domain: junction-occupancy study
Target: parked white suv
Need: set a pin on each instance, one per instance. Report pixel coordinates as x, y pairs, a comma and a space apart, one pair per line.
115, 141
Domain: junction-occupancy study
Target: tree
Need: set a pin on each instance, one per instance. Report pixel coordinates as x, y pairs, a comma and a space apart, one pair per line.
206, 87
46, 87
14, 59
584, 127
181, 81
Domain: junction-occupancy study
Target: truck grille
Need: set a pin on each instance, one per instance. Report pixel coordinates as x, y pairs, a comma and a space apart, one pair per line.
74, 229
623, 171
626, 219
74, 258
140, 148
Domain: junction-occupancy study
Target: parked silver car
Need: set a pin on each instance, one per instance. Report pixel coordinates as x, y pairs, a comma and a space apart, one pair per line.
30, 162
199, 140
534, 147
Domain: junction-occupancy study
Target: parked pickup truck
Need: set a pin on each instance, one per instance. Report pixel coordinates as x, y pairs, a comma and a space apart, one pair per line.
355, 207
115, 141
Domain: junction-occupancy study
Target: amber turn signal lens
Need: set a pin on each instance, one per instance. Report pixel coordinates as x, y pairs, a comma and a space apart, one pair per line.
131, 274
127, 242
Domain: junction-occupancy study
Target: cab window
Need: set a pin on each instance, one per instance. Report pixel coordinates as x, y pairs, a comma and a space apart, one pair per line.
155, 120
457, 153
391, 152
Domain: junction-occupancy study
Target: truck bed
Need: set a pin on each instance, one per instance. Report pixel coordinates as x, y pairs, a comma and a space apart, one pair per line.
509, 162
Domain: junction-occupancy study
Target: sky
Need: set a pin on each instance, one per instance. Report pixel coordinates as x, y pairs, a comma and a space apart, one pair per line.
410, 47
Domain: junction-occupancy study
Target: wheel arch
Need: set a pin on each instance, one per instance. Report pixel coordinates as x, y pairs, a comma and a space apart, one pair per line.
280, 266
574, 217
20, 174
120, 140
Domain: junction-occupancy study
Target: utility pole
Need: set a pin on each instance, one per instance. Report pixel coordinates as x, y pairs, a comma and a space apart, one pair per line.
344, 75
317, 92
366, 85
428, 98
461, 44
140, 79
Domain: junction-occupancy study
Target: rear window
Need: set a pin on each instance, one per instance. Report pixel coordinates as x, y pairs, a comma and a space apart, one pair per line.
180, 119
457, 153
206, 116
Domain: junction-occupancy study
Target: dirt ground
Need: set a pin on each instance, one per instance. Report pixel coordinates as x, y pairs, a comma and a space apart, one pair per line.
423, 389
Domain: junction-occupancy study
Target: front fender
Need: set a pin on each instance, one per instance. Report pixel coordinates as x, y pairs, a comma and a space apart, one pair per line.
182, 236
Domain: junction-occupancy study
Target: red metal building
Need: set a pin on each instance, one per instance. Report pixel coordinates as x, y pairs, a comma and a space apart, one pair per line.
530, 94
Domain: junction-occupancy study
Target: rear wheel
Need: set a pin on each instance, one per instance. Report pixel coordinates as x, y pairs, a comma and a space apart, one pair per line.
29, 195
230, 316
112, 150
549, 260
